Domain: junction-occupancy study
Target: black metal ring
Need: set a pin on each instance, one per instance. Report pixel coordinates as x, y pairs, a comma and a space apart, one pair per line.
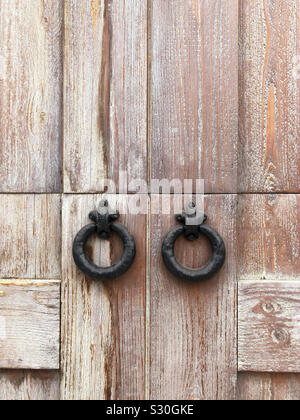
207, 272
101, 273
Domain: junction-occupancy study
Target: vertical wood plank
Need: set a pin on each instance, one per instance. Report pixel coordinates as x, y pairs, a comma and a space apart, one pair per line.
269, 152
105, 111
103, 323
31, 69
194, 92
30, 236
193, 326
19, 385
268, 228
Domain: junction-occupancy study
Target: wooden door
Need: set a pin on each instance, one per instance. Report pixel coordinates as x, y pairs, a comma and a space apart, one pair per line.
159, 89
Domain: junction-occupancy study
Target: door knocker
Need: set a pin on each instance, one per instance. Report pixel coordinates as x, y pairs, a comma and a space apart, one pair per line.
193, 226
104, 226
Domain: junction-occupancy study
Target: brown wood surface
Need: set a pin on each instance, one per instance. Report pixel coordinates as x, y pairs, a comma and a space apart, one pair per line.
31, 34
29, 324
30, 236
103, 323
268, 327
27, 385
151, 88
269, 387
194, 92
193, 327
268, 232
268, 229
269, 146
30, 243
105, 111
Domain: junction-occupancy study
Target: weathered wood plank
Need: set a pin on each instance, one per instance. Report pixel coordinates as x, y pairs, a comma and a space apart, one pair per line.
269, 387
103, 323
29, 324
193, 326
268, 227
22, 385
31, 35
269, 327
105, 112
30, 236
194, 91
269, 152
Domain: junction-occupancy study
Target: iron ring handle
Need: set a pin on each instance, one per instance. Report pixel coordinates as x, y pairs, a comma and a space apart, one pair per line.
100, 273
190, 275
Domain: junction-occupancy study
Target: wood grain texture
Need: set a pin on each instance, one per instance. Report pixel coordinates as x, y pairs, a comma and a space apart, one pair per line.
21, 385
269, 151
29, 324
194, 92
103, 323
30, 236
31, 34
268, 327
268, 227
105, 112
269, 387
193, 327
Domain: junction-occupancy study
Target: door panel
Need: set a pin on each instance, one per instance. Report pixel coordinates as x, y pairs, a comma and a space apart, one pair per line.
31, 35
269, 152
105, 124
190, 321
103, 323
194, 92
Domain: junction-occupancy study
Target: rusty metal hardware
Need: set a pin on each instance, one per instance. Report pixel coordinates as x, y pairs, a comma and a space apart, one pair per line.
104, 225
193, 226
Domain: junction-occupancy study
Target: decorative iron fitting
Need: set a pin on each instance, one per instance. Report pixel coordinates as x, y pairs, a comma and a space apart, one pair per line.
192, 219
